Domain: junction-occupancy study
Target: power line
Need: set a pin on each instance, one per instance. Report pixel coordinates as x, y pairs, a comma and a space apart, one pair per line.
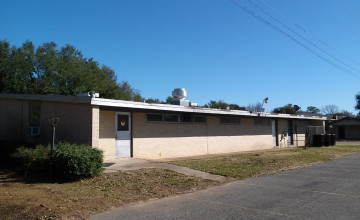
306, 40
349, 12
270, 24
308, 33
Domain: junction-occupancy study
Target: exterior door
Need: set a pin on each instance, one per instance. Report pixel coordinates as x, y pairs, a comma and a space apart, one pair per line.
123, 134
290, 133
275, 134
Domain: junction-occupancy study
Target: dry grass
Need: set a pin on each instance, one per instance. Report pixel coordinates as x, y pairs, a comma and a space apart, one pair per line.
20, 199
78, 200
245, 165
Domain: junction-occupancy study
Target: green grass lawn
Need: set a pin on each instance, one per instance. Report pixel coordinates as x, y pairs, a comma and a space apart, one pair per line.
249, 164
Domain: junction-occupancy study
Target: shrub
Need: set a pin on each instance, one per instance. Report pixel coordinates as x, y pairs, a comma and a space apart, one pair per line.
73, 162
70, 162
33, 160
6, 150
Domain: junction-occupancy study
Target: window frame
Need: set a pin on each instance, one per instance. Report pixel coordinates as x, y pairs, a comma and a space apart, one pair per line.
192, 119
147, 120
262, 122
170, 115
230, 119
34, 113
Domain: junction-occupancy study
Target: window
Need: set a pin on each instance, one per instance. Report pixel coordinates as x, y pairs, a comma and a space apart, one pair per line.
171, 118
154, 118
122, 122
175, 118
231, 121
186, 118
34, 114
261, 121
193, 119
235, 121
198, 119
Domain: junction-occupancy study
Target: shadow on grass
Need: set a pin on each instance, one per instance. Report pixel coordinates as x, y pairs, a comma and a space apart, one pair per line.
20, 176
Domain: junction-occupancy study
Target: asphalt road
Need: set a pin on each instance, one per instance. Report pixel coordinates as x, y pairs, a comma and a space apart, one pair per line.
326, 191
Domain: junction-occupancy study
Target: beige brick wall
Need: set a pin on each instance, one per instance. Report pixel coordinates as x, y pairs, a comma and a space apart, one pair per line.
234, 138
95, 126
107, 134
13, 119
166, 140
74, 125
75, 122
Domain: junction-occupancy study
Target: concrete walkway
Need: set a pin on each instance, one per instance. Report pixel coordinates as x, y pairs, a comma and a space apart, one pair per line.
344, 142
123, 164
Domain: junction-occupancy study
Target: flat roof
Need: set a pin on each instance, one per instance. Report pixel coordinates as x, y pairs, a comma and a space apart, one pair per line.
191, 109
150, 106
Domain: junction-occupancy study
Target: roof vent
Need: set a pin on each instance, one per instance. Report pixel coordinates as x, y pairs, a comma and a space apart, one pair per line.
179, 96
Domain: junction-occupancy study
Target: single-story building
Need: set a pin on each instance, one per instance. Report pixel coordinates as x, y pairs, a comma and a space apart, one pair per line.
347, 128
150, 131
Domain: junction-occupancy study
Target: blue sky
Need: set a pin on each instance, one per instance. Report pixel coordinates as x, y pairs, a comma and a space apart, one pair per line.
213, 48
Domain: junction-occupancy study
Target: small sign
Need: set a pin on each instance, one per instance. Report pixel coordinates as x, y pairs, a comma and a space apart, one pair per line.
53, 121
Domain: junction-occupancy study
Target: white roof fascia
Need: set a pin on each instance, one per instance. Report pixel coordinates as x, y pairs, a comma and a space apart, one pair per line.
178, 108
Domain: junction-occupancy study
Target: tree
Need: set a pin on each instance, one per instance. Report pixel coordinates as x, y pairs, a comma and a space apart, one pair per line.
257, 107
330, 109
221, 104
313, 109
236, 107
345, 113
287, 109
169, 99
63, 71
357, 106
214, 104
158, 101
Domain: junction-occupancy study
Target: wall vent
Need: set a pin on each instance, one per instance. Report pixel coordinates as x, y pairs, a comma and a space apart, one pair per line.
32, 131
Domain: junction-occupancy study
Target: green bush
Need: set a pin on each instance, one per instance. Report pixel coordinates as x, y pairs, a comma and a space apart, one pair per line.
73, 162
70, 162
33, 160
6, 150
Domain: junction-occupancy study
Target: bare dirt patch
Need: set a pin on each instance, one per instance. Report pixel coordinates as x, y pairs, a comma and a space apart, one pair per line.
78, 200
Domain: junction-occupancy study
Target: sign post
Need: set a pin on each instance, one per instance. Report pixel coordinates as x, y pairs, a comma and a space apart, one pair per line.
53, 122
